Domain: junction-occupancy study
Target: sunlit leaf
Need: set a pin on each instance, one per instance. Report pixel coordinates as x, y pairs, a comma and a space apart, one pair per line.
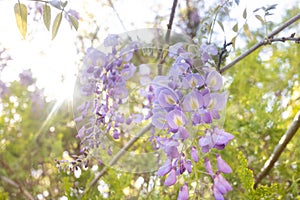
47, 16
260, 19
245, 14
74, 22
233, 42
56, 24
235, 28
247, 32
221, 25
21, 18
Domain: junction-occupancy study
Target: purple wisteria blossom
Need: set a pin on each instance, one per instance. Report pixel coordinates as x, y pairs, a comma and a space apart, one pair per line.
222, 165
208, 167
194, 154
193, 101
179, 104
171, 178
164, 169
215, 138
214, 80
111, 40
167, 98
206, 51
220, 184
183, 192
176, 119
26, 78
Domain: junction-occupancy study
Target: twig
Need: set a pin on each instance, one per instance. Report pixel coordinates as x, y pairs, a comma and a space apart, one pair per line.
285, 139
17, 185
283, 39
224, 50
261, 43
118, 16
171, 19
115, 159
168, 34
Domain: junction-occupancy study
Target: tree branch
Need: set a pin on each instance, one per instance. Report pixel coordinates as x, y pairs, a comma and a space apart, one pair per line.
171, 19
17, 185
285, 139
115, 159
168, 34
261, 43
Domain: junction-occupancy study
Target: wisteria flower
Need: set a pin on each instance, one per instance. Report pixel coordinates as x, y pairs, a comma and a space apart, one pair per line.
111, 40
167, 98
194, 153
214, 80
94, 58
176, 49
208, 167
218, 101
215, 138
128, 71
193, 101
159, 120
176, 119
217, 194
221, 184
164, 169
207, 50
183, 192
171, 179
193, 81
222, 165
170, 148
26, 78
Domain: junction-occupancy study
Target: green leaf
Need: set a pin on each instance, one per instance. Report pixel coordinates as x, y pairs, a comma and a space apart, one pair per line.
221, 25
271, 7
56, 24
21, 18
233, 42
47, 16
260, 19
245, 175
64, 4
247, 32
74, 22
245, 14
235, 28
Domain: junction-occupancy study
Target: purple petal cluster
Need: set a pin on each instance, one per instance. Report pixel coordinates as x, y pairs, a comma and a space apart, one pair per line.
105, 76
179, 102
188, 98
220, 184
215, 138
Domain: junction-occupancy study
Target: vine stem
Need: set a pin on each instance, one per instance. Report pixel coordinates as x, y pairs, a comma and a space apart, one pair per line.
261, 43
285, 139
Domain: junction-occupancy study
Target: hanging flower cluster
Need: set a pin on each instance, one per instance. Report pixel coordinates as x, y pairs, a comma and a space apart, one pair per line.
183, 106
